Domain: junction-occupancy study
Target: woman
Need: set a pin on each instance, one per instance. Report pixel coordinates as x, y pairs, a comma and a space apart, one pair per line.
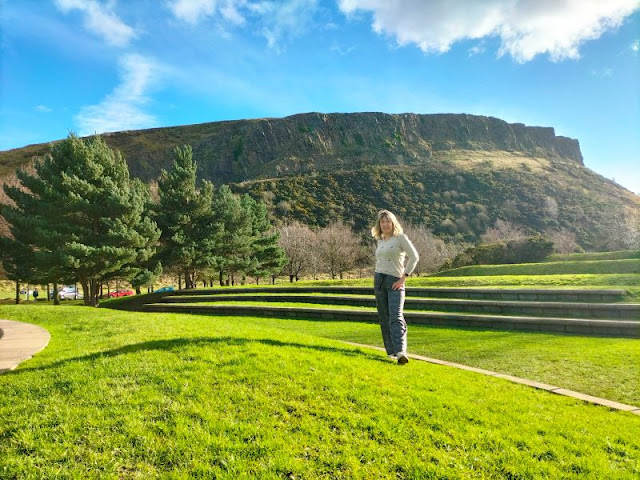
393, 249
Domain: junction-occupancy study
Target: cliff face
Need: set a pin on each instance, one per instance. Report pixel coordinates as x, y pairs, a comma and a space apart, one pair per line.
243, 150
454, 174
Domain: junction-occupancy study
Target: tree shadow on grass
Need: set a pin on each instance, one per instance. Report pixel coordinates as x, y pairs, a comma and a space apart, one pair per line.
177, 343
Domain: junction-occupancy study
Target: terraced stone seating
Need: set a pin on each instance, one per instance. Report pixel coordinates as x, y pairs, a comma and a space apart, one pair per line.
596, 312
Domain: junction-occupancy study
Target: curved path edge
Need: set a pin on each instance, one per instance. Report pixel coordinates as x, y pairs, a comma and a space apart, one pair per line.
542, 386
19, 342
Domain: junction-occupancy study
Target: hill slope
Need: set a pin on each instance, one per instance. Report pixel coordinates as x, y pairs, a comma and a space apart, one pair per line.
454, 173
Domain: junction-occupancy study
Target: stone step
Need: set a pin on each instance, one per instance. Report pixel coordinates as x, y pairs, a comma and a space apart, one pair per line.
527, 294
617, 328
628, 311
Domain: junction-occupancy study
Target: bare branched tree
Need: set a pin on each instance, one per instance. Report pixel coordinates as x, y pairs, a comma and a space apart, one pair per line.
503, 231
433, 251
297, 241
564, 241
339, 249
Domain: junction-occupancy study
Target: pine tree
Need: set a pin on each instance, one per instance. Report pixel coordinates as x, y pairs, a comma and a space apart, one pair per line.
266, 256
184, 216
233, 222
87, 217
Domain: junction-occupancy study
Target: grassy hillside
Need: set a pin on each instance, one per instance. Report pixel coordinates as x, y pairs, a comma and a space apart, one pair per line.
591, 256
595, 267
129, 395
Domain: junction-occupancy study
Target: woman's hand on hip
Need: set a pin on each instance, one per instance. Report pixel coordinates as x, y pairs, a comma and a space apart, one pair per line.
398, 284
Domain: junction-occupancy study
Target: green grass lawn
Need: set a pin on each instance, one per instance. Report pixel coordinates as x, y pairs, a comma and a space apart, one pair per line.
130, 395
556, 257
549, 268
600, 366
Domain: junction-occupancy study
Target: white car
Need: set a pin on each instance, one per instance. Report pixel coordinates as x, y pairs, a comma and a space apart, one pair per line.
69, 293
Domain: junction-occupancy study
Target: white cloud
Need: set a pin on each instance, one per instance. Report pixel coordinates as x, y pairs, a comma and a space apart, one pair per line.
526, 28
100, 20
635, 46
43, 108
123, 109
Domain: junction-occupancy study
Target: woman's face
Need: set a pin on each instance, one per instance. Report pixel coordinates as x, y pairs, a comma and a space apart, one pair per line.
386, 225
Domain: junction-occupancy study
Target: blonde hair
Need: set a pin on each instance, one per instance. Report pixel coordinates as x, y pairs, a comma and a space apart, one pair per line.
376, 231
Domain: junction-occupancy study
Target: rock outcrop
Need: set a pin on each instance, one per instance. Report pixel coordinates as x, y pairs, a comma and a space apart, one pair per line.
236, 151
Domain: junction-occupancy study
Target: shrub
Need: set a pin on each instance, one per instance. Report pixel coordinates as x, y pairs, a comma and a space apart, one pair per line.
524, 250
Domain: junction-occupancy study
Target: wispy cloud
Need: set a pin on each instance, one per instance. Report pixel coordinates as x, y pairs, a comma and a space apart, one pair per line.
282, 20
526, 29
478, 49
635, 47
43, 108
274, 20
101, 20
194, 11
342, 50
603, 72
123, 109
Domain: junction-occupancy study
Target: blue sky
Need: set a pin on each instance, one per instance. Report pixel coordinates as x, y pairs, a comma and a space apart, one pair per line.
103, 65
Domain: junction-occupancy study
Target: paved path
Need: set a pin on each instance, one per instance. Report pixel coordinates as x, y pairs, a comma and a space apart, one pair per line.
20, 341
524, 381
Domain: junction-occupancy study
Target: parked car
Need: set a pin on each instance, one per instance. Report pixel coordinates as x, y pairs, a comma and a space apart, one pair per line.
69, 293
120, 293
165, 289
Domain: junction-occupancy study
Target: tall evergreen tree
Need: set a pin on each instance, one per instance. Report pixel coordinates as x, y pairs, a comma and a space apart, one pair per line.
266, 255
184, 216
87, 217
233, 222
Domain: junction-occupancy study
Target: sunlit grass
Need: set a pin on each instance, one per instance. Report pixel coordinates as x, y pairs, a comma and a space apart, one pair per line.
133, 395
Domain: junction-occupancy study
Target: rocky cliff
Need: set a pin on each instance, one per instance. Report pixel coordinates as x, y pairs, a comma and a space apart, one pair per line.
242, 150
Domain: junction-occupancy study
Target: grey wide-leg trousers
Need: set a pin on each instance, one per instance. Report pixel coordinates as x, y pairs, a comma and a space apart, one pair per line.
390, 304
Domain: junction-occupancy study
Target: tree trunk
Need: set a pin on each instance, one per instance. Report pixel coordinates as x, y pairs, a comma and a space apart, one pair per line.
17, 292
48, 293
56, 299
86, 292
94, 286
291, 278
179, 282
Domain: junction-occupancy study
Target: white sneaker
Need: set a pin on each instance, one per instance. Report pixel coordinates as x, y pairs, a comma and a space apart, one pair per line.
402, 358
393, 357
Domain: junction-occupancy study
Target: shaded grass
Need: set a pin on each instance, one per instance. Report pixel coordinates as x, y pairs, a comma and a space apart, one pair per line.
130, 395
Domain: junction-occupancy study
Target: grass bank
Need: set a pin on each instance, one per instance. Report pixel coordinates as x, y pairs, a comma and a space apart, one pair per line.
129, 395
599, 267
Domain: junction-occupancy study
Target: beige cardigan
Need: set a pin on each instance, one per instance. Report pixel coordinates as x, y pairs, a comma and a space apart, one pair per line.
391, 255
